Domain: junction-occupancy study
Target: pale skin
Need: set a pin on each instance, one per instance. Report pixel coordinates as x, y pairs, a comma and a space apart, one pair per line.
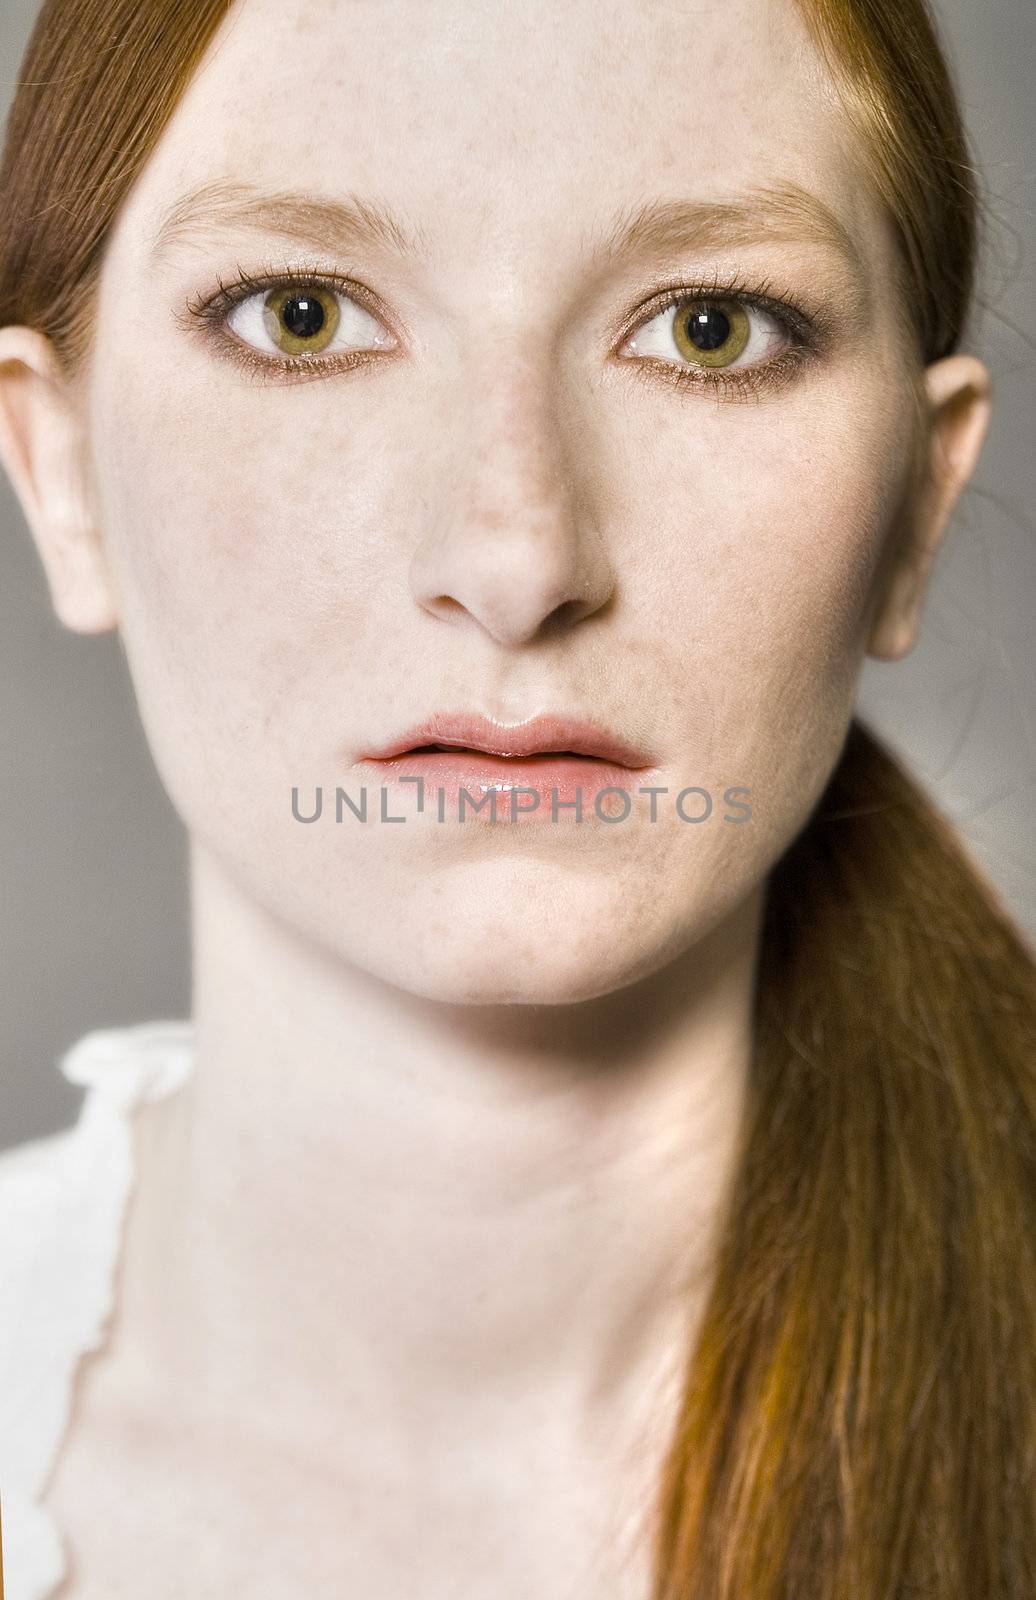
415, 1256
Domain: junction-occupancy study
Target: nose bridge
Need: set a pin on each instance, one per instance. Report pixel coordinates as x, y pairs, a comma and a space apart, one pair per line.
516, 541
516, 468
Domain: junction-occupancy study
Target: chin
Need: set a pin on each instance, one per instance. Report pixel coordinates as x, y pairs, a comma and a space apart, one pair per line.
481, 982
493, 962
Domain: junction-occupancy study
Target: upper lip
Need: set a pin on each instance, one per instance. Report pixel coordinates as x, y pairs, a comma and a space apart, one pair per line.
537, 736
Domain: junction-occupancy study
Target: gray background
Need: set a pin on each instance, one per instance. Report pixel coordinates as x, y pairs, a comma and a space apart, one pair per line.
93, 893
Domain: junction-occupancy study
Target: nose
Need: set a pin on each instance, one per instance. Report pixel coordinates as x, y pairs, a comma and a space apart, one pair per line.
515, 547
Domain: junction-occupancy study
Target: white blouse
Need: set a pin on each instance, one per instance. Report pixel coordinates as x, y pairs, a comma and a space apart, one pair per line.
62, 1208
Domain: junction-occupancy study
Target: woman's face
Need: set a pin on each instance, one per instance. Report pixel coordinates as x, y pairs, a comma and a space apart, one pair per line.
515, 485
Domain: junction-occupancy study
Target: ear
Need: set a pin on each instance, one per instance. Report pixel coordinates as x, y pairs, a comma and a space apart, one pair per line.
43, 450
957, 394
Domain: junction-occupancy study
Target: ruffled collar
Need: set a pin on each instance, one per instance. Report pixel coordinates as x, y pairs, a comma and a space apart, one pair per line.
63, 1203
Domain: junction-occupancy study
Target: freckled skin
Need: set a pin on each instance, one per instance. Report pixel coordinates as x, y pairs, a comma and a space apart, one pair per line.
305, 569
423, 1225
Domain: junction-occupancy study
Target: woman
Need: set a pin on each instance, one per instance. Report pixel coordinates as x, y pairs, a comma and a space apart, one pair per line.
634, 1200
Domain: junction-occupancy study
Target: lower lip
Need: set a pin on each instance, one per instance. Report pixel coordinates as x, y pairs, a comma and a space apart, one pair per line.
545, 776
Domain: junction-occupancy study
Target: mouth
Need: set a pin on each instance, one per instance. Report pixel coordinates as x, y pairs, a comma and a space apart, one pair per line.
548, 766
552, 737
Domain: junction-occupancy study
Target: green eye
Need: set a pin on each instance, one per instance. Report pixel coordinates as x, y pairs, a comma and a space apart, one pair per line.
301, 321
711, 333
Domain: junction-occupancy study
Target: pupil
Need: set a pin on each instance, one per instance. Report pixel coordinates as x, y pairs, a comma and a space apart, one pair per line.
303, 316
709, 328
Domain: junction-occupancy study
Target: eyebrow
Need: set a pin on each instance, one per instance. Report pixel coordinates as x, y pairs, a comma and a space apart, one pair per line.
767, 212
336, 225
775, 211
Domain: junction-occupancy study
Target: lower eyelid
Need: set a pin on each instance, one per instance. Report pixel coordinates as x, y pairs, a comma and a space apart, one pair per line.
749, 383
264, 368
757, 376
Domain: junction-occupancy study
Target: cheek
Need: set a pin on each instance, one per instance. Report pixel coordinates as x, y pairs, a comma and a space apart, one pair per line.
246, 562
766, 534
766, 538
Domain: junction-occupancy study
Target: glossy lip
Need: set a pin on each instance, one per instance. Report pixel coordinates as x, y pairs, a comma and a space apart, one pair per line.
542, 735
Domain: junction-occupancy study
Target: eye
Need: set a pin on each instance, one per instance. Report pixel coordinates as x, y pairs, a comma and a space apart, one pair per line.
711, 333
305, 319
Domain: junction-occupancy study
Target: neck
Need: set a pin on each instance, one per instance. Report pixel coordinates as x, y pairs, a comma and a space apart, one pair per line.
415, 1221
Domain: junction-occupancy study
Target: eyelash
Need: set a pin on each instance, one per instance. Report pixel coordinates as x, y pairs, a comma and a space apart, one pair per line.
805, 331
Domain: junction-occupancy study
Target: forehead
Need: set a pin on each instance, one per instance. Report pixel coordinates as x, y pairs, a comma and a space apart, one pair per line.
512, 125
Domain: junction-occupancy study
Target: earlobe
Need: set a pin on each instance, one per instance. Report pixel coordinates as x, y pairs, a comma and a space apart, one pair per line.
957, 393
42, 448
